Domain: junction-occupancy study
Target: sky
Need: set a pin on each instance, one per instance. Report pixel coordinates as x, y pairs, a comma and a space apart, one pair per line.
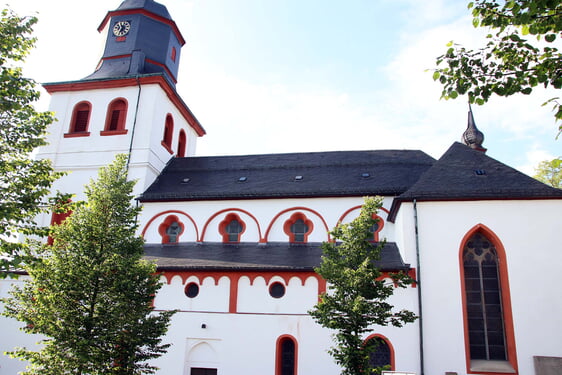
267, 76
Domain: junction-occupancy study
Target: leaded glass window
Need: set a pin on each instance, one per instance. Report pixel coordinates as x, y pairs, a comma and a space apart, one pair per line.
483, 300
299, 230
233, 229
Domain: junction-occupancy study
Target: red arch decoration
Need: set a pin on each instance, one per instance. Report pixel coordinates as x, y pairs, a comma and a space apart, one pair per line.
505, 296
296, 209
222, 227
145, 229
164, 226
204, 231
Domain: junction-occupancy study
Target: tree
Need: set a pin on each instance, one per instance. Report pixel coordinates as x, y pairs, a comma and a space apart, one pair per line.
357, 296
91, 293
508, 63
550, 172
24, 182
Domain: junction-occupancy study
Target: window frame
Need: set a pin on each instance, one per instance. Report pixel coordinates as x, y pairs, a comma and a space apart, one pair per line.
79, 107
479, 366
168, 134
182, 144
163, 228
224, 224
287, 227
122, 105
279, 354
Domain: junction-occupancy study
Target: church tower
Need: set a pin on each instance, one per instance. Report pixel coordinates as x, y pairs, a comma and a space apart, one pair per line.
129, 104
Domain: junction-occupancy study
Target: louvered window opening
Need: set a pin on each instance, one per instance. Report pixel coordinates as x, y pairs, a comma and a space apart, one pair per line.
81, 122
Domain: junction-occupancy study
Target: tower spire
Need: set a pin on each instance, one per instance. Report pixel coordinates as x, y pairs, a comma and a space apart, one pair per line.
472, 137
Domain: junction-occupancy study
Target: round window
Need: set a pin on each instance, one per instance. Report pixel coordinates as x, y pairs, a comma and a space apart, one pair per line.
192, 290
277, 290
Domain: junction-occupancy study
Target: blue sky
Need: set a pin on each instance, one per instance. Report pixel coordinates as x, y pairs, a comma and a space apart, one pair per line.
282, 76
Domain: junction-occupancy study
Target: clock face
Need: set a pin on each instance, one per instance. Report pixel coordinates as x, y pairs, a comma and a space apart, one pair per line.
121, 28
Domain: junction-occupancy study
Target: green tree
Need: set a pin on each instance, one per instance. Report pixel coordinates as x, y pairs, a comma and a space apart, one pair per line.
509, 63
550, 172
357, 298
24, 182
91, 296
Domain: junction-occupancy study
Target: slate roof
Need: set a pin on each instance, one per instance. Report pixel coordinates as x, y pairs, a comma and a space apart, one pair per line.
148, 5
463, 173
323, 174
252, 256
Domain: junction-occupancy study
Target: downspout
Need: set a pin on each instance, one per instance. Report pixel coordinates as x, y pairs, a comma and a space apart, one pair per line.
134, 123
133, 134
418, 282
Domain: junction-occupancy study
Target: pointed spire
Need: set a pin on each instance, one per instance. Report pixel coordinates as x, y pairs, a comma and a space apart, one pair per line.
472, 137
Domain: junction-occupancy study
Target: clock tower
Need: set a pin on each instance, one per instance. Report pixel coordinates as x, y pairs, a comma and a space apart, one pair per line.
141, 38
128, 105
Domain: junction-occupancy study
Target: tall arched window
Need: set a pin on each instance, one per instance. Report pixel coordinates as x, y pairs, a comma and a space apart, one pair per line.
168, 133
115, 117
286, 357
487, 306
298, 227
182, 144
376, 228
80, 120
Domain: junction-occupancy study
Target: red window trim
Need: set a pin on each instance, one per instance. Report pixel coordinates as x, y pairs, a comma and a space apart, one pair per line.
72, 127
222, 227
505, 297
294, 217
104, 133
278, 353
122, 105
390, 347
164, 226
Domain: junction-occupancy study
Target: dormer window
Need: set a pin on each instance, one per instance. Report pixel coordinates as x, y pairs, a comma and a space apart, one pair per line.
168, 133
115, 118
80, 120
231, 228
298, 227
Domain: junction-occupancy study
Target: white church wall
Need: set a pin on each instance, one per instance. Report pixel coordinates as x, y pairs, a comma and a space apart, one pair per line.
261, 216
528, 232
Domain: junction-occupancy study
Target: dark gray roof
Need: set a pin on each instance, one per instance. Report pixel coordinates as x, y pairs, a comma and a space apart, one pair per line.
252, 256
463, 173
322, 174
148, 5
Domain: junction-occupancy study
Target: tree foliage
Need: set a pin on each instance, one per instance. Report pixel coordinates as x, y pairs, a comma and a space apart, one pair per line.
24, 182
550, 172
91, 294
510, 62
357, 297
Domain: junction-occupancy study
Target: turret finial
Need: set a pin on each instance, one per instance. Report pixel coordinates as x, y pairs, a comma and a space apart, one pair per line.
472, 137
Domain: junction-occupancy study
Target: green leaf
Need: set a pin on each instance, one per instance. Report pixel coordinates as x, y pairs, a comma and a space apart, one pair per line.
436, 75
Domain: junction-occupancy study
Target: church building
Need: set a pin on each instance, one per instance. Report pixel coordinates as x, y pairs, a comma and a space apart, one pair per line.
236, 238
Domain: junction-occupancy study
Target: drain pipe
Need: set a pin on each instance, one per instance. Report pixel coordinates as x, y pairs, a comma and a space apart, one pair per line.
418, 282
134, 124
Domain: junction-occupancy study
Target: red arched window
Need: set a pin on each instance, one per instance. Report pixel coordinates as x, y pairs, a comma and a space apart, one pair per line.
173, 54
168, 133
115, 117
298, 227
231, 228
381, 353
488, 324
56, 219
286, 357
171, 229
182, 144
376, 228
80, 120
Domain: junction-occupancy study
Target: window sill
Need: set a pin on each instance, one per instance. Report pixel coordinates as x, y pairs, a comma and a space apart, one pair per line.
167, 147
77, 134
113, 132
480, 365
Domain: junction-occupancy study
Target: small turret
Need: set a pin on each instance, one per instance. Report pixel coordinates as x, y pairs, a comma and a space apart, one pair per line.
472, 137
